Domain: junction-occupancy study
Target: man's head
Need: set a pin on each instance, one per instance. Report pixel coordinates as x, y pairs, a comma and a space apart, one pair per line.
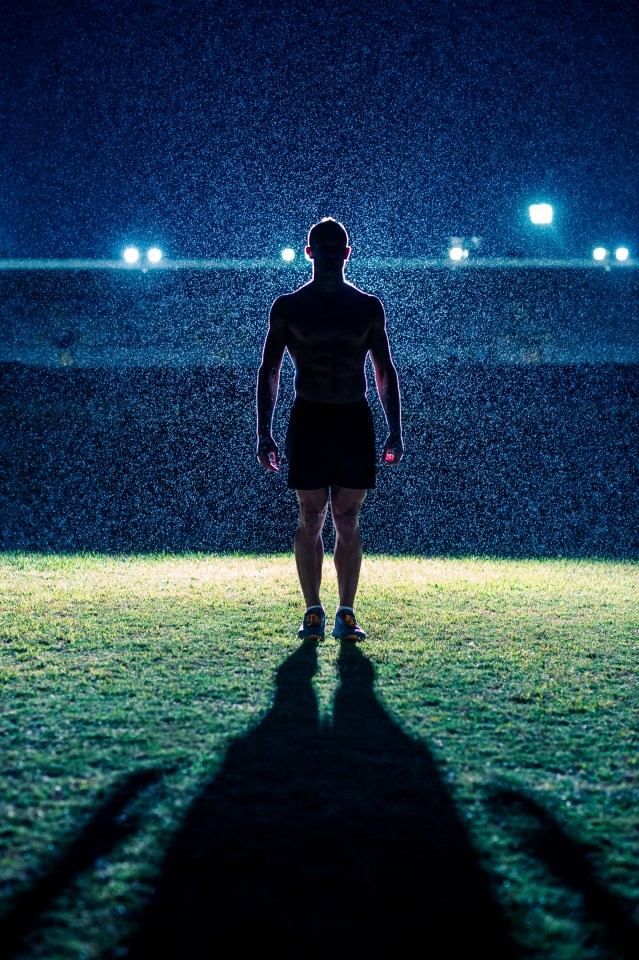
327, 229
328, 244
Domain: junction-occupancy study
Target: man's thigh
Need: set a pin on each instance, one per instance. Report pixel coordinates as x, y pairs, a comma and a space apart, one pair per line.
314, 501
346, 500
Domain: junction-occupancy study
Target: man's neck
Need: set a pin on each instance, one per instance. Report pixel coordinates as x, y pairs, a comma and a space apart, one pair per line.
328, 283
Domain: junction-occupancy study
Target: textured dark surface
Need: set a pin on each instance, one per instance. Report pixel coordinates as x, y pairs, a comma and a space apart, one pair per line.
207, 317
228, 129
515, 461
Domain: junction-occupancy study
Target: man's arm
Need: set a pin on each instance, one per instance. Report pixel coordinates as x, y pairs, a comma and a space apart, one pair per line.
268, 382
387, 385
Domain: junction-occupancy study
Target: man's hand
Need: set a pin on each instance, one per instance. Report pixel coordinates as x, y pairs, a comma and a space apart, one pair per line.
393, 450
268, 454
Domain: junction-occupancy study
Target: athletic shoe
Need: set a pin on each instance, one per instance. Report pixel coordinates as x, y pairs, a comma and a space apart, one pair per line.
347, 627
313, 625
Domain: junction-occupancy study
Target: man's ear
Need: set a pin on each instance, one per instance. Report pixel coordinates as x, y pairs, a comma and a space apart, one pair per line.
347, 253
309, 253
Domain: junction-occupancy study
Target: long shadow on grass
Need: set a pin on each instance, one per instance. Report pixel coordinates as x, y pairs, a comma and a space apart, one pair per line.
106, 829
540, 834
320, 837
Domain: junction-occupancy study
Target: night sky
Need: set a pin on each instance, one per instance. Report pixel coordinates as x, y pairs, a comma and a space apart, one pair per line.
226, 129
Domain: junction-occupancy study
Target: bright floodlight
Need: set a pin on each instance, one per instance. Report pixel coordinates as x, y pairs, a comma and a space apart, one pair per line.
455, 253
288, 254
599, 253
622, 253
154, 254
540, 212
131, 254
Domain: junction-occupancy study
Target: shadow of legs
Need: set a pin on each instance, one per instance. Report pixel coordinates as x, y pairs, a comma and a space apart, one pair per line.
313, 838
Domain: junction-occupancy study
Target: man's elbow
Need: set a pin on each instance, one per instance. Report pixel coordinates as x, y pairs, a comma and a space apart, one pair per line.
385, 375
268, 378
266, 371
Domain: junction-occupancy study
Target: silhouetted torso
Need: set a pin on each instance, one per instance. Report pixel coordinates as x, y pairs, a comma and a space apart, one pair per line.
328, 340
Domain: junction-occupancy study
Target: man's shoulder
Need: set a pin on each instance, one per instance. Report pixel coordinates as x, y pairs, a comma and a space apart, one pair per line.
285, 300
370, 299
369, 304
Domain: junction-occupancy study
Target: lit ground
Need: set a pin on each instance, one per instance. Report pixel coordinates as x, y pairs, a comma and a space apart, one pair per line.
176, 765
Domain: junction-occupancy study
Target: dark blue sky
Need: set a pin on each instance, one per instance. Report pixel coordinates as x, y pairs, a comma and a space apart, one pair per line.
227, 129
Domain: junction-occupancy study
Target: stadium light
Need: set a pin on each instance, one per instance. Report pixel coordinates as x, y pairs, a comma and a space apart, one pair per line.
456, 253
622, 253
288, 254
600, 253
131, 254
540, 213
154, 255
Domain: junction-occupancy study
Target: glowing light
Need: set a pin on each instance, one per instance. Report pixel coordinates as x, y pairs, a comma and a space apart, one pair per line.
540, 212
288, 254
154, 255
600, 253
131, 254
455, 253
622, 253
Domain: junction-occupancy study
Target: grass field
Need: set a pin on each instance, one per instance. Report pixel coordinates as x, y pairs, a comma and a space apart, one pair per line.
160, 720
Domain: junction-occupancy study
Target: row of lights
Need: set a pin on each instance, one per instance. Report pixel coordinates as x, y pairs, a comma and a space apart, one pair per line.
541, 214
621, 253
457, 252
132, 255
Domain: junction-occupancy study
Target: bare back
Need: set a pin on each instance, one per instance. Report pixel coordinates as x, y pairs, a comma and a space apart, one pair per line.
328, 336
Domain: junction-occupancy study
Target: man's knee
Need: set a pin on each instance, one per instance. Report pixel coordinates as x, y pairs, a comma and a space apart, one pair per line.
312, 512
345, 511
311, 519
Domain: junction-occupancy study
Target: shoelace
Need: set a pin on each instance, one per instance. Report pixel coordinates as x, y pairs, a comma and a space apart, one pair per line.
312, 619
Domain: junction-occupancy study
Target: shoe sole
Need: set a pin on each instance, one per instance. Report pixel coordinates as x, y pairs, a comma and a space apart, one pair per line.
310, 636
349, 636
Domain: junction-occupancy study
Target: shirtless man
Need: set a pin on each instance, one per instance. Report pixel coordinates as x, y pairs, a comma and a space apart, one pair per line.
328, 327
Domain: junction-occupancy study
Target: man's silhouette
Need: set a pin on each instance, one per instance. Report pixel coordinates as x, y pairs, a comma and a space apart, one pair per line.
324, 836
329, 327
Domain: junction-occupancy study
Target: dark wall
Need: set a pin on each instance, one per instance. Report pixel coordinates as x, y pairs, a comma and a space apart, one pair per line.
196, 317
519, 460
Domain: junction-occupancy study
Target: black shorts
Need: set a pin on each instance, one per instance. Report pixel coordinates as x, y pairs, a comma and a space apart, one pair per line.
331, 444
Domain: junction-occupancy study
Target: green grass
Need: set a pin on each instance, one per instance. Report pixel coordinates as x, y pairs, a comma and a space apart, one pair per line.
519, 677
